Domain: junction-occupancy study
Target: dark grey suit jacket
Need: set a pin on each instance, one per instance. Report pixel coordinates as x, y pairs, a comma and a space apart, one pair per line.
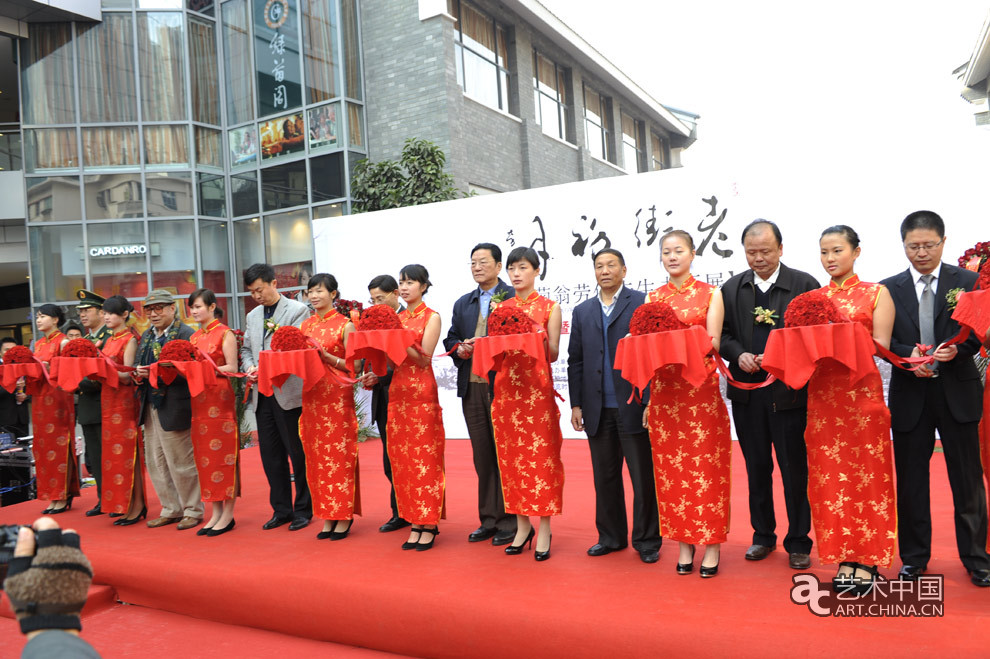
959, 377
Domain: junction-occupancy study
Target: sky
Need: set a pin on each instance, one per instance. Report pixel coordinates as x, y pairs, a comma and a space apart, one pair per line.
839, 113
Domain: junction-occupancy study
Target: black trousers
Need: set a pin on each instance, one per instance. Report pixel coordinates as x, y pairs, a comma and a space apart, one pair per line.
762, 429
93, 435
382, 424
477, 408
912, 458
609, 447
278, 442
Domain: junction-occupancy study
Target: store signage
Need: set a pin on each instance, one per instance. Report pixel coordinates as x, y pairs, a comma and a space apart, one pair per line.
276, 55
136, 249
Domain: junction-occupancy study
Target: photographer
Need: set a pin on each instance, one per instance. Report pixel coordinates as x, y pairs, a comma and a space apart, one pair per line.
47, 584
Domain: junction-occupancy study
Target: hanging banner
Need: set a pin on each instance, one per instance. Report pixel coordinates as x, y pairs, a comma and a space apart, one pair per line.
276, 56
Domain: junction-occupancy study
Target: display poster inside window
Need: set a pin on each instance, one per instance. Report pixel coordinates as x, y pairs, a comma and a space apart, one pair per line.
282, 136
276, 54
243, 146
323, 127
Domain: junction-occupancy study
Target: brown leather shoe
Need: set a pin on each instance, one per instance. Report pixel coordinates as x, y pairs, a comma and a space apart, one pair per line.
799, 561
758, 552
162, 521
188, 523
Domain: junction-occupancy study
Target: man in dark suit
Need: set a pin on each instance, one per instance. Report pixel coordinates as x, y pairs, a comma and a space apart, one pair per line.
600, 406
166, 413
15, 414
383, 289
88, 414
467, 322
774, 417
945, 396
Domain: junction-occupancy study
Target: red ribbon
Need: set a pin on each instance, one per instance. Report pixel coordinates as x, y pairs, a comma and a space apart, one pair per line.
332, 371
745, 386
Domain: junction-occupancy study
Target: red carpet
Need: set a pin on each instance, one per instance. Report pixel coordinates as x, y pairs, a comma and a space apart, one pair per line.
463, 599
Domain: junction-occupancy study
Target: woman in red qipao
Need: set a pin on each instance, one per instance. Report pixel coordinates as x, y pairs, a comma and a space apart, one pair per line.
54, 422
415, 422
850, 463
328, 426
123, 482
689, 426
525, 416
214, 417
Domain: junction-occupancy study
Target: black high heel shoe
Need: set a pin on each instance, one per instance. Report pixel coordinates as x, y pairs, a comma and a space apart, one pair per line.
512, 550
215, 531
843, 583
204, 530
687, 568
543, 555
408, 544
123, 521
423, 546
863, 586
707, 572
340, 535
59, 511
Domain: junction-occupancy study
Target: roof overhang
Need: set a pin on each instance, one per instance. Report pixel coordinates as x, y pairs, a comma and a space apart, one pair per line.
979, 62
15, 15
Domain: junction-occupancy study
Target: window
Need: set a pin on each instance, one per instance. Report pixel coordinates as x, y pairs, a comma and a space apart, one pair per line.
597, 120
632, 144
552, 112
481, 55
657, 152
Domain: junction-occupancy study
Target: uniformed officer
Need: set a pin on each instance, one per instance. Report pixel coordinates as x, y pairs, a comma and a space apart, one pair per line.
88, 409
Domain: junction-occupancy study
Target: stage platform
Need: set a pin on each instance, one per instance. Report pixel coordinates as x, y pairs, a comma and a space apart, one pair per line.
254, 593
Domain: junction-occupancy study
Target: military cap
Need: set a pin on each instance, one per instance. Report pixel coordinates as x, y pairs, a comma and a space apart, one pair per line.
89, 299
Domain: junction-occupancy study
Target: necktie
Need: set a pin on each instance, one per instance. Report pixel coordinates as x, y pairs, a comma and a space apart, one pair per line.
926, 312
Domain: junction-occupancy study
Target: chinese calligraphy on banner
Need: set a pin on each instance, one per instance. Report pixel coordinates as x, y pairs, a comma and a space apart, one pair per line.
276, 56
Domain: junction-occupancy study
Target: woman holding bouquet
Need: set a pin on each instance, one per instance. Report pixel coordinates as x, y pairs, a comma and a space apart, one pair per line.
328, 426
123, 484
214, 414
53, 420
415, 423
525, 417
850, 465
689, 427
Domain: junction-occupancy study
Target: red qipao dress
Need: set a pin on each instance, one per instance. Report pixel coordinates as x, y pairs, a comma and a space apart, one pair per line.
122, 445
54, 422
691, 438
526, 422
214, 424
850, 463
415, 433
328, 429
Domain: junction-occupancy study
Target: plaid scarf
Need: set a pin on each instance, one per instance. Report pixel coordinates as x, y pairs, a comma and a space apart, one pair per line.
149, 340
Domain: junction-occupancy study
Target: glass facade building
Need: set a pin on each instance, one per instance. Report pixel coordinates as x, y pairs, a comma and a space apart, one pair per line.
176, 142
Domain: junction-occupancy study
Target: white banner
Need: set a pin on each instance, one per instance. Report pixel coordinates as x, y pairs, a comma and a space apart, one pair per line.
566, 224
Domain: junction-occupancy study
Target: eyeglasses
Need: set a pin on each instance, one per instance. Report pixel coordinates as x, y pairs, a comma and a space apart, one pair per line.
915, 248
158, 308
484, 263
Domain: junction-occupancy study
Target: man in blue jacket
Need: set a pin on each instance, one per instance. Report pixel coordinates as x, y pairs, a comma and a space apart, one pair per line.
600, 406
469, 321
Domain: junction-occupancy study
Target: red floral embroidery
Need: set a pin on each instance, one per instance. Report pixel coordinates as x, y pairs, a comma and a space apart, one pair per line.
654, 317
379, 317
18, 355
80, 348
289, 338
811, 308
509, 320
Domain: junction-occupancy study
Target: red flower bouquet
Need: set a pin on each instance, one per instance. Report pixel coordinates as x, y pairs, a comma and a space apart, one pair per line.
976, 256
349, 308
18, 355
509, 320
179, 350
80, 348
811, 308
379, 317
983, 283
289, 338
654, 317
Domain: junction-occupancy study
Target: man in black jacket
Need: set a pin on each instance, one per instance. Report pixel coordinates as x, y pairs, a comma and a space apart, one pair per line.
467, 322
775, 416
383, 289
88, 411
166, 413
600, 406
946, 396
15, 414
